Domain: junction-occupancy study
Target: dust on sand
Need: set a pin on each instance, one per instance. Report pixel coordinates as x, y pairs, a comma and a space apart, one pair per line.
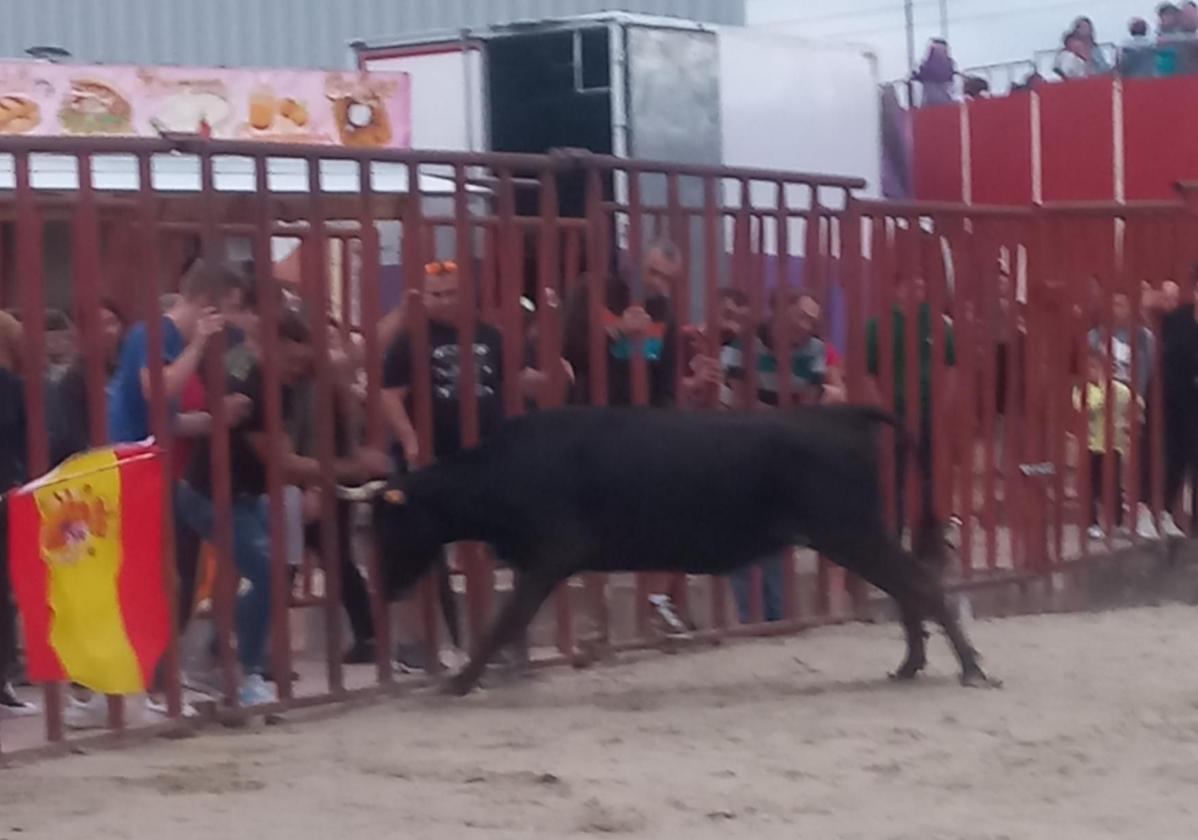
1095, 735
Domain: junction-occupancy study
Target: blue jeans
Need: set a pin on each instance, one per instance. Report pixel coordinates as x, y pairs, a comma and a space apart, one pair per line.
251, 555
771, 588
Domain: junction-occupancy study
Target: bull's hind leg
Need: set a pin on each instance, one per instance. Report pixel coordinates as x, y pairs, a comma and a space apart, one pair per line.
917, 656
971, 672
529, 592
915, 586
879, 560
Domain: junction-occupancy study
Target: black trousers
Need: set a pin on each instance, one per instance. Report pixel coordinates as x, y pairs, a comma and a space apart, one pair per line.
355, 596
8, 612
1097, 504
1181, 447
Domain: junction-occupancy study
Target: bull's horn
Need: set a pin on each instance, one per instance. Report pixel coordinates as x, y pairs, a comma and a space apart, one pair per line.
364, 493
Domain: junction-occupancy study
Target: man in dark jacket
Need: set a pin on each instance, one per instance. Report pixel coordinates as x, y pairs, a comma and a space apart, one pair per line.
1179, 338
12, 474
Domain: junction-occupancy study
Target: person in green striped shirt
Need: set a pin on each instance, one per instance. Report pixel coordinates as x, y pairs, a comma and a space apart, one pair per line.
898, 358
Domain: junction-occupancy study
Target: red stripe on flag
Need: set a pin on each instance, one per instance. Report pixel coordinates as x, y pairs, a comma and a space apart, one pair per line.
30, 586
141, 586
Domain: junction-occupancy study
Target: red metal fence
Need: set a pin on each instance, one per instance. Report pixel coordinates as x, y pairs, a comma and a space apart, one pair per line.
1014, 291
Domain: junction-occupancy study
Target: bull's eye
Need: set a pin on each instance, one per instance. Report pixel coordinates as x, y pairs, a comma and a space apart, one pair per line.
395, 497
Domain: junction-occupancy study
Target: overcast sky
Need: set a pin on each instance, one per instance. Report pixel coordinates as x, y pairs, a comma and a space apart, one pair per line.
980, 31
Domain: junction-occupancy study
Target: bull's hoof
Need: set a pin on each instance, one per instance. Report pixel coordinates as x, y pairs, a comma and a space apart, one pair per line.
907, 671
978, 679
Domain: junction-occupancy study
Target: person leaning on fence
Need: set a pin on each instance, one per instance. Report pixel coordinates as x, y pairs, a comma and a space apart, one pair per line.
649, 331
442, 304
12, 474
1093, 400
249, 452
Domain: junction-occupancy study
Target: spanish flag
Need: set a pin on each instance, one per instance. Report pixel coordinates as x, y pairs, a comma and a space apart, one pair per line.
85, 555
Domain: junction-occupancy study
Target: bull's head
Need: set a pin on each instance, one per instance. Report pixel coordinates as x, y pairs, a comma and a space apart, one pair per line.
406, 534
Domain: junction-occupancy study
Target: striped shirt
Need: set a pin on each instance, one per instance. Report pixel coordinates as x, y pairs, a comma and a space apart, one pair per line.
808, 369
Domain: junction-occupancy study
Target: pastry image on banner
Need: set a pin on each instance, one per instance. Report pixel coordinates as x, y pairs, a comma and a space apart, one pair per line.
360, 109
90, 106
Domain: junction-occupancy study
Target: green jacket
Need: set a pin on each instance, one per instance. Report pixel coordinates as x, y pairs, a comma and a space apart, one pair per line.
898, 330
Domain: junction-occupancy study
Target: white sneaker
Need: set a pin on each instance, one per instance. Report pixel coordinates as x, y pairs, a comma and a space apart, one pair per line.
1096, 533
666, 614
158, 706
86, 714
12, 706
255, 692
1145, 527
1169, 527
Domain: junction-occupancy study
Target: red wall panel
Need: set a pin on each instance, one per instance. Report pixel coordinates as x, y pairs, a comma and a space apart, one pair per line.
1077, 140
1160, 135
937, 134
1000, 150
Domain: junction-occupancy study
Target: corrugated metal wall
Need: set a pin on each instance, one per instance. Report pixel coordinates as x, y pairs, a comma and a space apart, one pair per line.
280, 33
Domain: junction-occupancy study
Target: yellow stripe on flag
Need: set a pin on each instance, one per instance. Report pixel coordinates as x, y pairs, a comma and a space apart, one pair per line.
80, 540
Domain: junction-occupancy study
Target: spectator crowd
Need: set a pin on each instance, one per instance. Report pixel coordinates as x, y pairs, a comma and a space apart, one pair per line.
1168, 48
765, 353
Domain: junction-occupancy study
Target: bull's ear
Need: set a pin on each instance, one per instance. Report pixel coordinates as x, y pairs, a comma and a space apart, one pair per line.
395, 497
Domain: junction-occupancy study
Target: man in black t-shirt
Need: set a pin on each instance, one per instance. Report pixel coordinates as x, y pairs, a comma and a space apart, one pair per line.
445, 371
249, 448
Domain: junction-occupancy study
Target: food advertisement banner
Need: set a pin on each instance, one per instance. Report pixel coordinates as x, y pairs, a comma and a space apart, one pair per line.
363, 110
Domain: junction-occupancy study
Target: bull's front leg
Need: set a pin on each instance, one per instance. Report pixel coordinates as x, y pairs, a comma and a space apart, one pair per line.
529, 592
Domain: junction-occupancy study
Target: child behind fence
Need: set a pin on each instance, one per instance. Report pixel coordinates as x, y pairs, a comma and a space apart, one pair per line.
1095, 406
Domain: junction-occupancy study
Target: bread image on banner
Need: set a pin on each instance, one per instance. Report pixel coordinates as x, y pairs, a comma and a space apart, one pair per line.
18, 114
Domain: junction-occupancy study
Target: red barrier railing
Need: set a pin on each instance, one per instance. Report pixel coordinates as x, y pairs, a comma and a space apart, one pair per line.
974, 322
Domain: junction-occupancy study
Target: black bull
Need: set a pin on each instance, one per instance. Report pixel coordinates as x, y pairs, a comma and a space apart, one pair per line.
558, 493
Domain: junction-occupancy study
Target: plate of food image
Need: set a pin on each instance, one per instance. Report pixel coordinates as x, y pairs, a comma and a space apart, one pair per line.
94, 107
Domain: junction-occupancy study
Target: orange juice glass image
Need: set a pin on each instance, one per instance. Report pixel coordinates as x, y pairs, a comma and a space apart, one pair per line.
263, 107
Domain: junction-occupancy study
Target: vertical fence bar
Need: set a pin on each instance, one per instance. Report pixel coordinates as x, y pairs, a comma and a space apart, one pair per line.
885, 273
549, 358
971, 342
678, 232
418, 246
272, 406
370, 315
148, 288
32, 296
478, 571
597, 269
638, 362
316, 283
86, 264
712, 253
225, 590
932, 261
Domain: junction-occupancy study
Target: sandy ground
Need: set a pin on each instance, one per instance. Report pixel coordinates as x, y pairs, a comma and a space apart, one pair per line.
1094, 735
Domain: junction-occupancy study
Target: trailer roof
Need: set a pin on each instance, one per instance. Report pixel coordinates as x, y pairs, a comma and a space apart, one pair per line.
522, 27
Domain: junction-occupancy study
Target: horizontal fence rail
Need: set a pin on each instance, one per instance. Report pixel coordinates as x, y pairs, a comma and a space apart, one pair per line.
981, 325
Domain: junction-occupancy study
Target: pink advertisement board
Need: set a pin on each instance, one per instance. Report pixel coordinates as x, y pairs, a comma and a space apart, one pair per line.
364, 110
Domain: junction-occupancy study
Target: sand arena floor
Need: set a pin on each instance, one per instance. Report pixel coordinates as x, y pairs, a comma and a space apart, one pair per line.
1094, 735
